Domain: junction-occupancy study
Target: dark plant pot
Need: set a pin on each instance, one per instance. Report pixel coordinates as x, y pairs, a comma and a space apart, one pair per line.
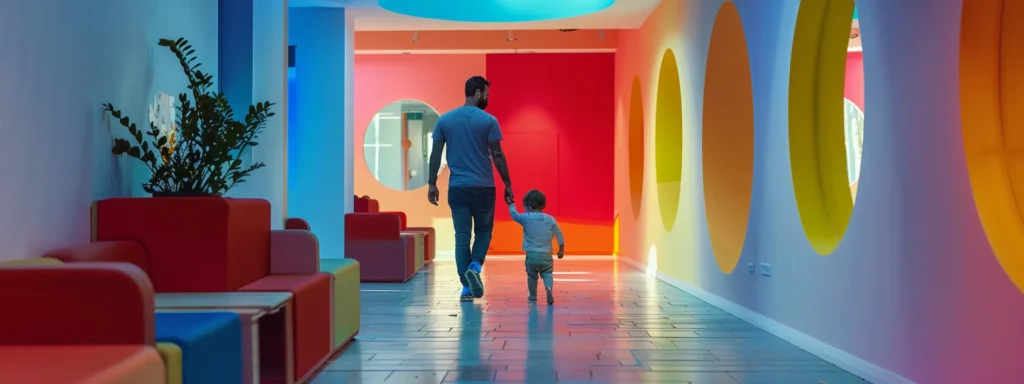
185, 194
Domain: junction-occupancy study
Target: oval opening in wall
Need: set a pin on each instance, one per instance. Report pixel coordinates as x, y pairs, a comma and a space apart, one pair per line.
728, 138
825, 131
991, 95
636, 147
668, 139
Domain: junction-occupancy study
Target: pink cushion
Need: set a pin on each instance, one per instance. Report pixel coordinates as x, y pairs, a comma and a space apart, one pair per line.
294, 251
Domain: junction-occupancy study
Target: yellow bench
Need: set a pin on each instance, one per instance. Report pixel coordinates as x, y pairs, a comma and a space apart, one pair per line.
344, 297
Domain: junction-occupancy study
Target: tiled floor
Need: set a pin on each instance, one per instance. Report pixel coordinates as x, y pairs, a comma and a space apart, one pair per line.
610, 323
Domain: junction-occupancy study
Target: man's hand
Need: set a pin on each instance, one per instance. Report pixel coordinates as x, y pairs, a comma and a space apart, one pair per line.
433, 194
561, 251
509, 196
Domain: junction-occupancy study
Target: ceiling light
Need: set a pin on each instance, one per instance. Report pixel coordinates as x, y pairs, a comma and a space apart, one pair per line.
416, 36
509, 37
495, 11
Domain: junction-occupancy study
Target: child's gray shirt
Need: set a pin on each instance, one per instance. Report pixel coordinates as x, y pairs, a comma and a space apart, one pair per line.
538, 229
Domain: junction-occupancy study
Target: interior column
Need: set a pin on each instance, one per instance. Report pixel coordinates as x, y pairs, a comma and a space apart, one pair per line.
320, 142
253, 68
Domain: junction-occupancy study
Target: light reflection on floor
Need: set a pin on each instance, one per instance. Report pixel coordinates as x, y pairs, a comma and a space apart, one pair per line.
616, 325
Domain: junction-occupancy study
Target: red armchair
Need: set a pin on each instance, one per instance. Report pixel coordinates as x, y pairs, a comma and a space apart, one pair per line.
383, 252
297, 223
368, 205
214, 245
108, 338
429, 247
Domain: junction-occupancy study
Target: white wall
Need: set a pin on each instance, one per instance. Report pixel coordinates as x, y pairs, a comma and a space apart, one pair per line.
417, 157
61, 60
390, 160
914, 292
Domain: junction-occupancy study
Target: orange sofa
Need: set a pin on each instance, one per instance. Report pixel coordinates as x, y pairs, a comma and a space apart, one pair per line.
212, 244
78, 323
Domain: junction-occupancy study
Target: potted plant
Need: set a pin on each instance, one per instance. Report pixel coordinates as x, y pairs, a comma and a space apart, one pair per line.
188, 230
202, 155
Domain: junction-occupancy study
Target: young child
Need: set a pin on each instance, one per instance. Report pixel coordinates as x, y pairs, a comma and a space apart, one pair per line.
538, 229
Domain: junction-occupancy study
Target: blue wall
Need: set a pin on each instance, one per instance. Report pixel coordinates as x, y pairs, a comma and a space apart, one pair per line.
61, 61
253, 59
320, 137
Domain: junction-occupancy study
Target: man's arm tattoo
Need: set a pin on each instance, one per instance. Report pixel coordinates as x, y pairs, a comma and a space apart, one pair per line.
435, 161
500, 163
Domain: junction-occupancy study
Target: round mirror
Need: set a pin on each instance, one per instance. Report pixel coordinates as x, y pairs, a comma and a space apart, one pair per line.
398, 142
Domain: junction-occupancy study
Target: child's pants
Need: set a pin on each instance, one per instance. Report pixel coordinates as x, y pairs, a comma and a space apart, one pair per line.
539, 264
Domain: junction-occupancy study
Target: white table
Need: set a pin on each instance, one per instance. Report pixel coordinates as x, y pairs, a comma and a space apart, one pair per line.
250, 307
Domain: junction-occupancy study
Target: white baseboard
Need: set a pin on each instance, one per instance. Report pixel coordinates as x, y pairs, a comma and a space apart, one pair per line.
840, 358
450, 256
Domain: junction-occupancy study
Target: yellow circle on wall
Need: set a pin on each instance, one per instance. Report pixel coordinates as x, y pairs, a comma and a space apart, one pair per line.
636, 147
668, 139
991, 93
728, 138
817, 147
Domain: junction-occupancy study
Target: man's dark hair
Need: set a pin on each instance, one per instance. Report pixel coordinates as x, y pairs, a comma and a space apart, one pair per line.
535, 200
476, 83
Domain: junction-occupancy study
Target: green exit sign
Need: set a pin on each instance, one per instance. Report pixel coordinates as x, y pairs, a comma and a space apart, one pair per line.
414, 116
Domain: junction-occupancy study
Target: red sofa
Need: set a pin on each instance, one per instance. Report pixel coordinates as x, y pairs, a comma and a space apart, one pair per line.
211, 244
376, 241
78, 323
366, 204
429, 248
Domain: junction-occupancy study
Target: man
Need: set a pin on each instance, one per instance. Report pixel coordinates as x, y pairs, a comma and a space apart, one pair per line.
474, 142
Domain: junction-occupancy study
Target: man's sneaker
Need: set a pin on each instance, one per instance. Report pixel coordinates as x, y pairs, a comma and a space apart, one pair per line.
466, 295
531, 299
551, 297
476, 285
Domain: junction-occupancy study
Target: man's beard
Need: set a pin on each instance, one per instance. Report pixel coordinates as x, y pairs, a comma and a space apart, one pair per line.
482, 103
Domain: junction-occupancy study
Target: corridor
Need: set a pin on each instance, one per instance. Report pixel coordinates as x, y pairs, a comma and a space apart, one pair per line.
610, 323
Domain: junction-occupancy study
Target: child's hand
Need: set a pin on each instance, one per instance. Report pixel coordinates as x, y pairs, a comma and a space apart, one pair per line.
561, 252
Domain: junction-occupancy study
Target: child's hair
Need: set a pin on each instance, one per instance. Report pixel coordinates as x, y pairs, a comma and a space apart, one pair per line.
535, 200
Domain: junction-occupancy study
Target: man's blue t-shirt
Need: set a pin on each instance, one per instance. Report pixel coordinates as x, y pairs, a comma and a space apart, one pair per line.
467, 131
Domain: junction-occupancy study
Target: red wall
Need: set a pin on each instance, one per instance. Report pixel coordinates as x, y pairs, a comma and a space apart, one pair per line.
854, 86
438, 81
557, 115
556, 112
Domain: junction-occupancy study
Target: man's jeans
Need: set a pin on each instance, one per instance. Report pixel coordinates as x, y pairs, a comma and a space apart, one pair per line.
472, 210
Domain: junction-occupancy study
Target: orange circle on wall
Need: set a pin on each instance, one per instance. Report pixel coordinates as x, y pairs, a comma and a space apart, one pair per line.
991, 93
636, 147
728, 138
668, 139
